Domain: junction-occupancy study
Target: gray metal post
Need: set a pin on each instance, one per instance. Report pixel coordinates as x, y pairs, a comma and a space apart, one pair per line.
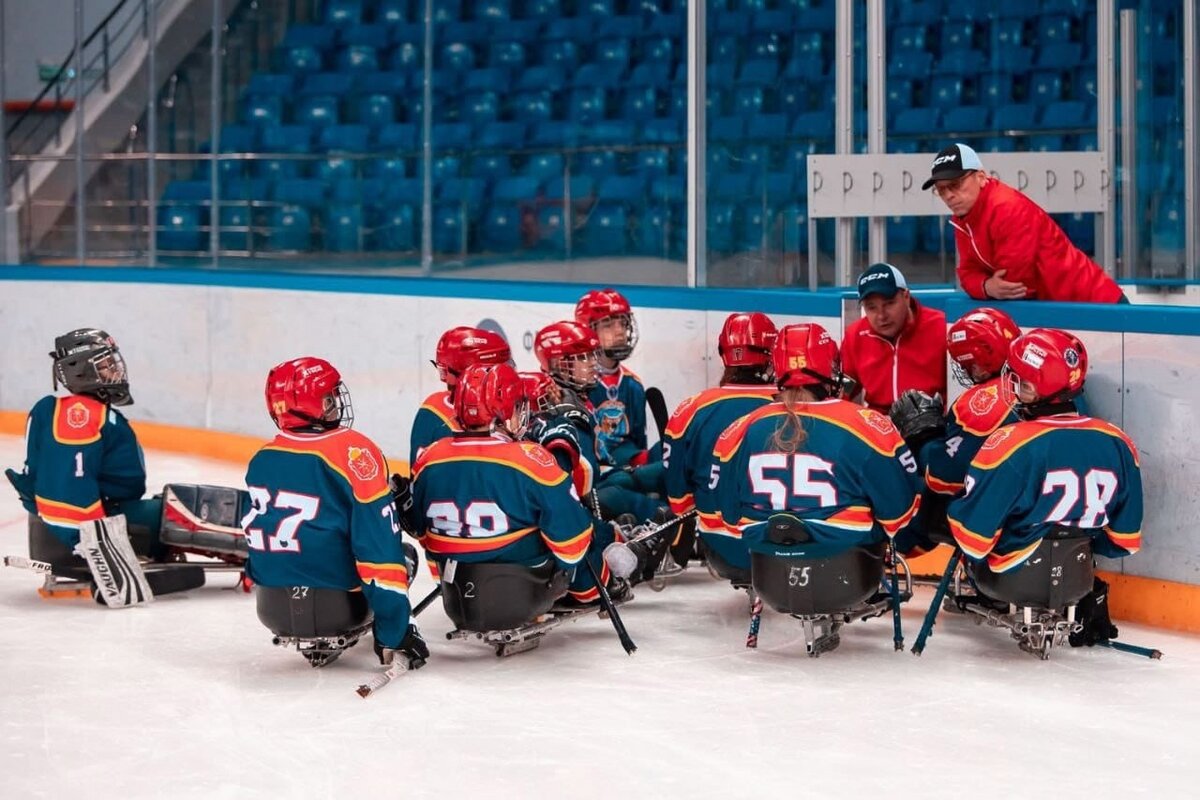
1129, 199
4, 250
80, 182
843, 134
151, 133
1106, 133
214, 134
697, 147
876, 114
1190, 120
427, 149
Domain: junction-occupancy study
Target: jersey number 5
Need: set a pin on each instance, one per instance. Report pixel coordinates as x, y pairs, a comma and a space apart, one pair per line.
284, 539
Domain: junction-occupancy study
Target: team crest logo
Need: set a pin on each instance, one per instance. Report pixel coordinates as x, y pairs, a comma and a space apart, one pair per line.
877, 421
78, 415
997, 438
362, 463
984, 400
1071, 356
538, 455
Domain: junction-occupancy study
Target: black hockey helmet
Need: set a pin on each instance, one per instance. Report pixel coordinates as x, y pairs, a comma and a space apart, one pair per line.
87, 361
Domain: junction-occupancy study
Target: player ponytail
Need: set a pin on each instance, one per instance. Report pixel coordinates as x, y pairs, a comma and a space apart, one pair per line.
790, 435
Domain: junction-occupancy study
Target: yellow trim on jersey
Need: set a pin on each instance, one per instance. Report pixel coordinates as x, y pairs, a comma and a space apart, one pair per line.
499, 461
333, 466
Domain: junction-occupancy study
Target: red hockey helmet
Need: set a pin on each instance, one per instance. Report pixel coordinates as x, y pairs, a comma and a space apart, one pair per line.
308, 394
491, 393
978, 344
746, 339
567, 352
602, 304
806, 355
541, 391
1045, 366
460, 347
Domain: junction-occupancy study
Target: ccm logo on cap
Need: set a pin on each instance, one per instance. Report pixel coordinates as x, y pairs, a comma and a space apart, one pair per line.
945, 158
874, 276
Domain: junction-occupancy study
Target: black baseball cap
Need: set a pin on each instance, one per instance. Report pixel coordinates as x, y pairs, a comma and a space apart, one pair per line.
882, 279
952, 162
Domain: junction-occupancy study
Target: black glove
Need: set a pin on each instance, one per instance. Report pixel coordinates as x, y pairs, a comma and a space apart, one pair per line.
1092, 613
412, 648
21, 483
402, 497
919, 418
411, 561
848, 388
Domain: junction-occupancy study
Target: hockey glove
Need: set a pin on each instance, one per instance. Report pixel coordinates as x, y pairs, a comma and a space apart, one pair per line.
1092, 613
919, 417
402, 496
411, 562
21, 483
412, 648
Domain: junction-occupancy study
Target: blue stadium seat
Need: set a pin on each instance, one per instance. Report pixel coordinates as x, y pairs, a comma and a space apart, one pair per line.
958, 35
534, 107
1019, 9
605, 231
466, 192
730, 23
818, 125
1019, 116
1052, 29
748, 100
1087, 141
387, 168
963, 119
581, 187
299, 59
651, 73
640, 103
549, 232
722, 220
331, 84
488, 79
731, 187
657, 50
344, 228
597, 75
667, 24
727, 129
397, 229
480, 108
237, 227
402, 137
914, 64
935, 235
1060, 56
506, 54
914, 121
290, 139
447, 11
628, 190
493, 10
375, 110
1065, 114
301, 192
491, 166
456, 57
267, 84
1007, 33
816, 18
612, 54
962, 62
760, 71
460, 30
319, 36
793, 219
357, 58
664, 130
500, 231
668, 189
998, 144
720, 74
587, 105
541, 77
619, 27
793, 98
920, 12
394, 12
652, 233
451, 136
1083, 84
995, 89
501, 136
1046, 143
902, 234
946, 91
406, 191
775, 188
520, 189
543, 166
767, 128
608, 132
595, 8
517, 30
407, 57
344, 138
544, 9
554, 133
600, 164
1012, 59
651, 164
412, 33
376, 36
343, 13
908, 37
289, 228
1045, 87
179, 227
318, 111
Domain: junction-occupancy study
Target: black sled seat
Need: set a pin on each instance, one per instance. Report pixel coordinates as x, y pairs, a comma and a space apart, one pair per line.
205, 519
302, 612
1056, 575
497, 597
818, 585
45, 546
723, 569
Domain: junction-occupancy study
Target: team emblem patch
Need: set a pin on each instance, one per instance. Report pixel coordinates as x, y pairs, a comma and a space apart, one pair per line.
538, 455
78, 415
362, 463
877, 421
984, 400
997, 438
1071, 356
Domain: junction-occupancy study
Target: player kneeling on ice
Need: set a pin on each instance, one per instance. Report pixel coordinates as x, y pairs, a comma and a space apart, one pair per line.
815, 487
83, 483
501, 521
323, 531
1042, 495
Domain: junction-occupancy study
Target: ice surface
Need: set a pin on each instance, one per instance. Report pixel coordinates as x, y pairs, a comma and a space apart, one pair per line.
188, 698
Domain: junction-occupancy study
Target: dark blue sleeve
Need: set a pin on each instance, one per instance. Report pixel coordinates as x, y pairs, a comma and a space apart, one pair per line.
123, 473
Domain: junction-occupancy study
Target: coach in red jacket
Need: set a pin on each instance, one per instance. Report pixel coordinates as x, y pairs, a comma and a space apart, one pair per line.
898, 344
1008, 247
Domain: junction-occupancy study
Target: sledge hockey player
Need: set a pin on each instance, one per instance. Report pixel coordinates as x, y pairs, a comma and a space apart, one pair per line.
1055, 472
744, 346
977, 344
85, 475
618, 396
457, 349
323, 531
483, 495
840, 470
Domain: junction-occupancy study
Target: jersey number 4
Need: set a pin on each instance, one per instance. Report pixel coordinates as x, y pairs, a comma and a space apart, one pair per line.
1099, 486
284, 540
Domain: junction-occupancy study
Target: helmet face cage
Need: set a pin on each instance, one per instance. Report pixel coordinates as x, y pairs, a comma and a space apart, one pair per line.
961, 375
340, 400
567, 370
88, 362
539, 391
620, 351
1010, 387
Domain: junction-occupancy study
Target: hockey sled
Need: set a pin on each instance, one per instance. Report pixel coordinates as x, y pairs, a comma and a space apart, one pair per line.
828, 591
722, 569
320, 623
507, 606
1041, 593
205, 520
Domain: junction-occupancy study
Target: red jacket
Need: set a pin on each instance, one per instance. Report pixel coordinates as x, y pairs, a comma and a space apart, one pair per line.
1006, 230
916, 360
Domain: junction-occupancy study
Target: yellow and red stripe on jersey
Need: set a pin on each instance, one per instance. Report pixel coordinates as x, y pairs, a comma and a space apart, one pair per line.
715, 523
1007, 440
453, 545
440, 406
940, 486
572, 550
66, 515
346, 452
687, 410
869, 427
78, 419
393, 577
979, 410
973, 544
525, 457
1004, 562
1130, 541
892, 526
682, 505
851, 518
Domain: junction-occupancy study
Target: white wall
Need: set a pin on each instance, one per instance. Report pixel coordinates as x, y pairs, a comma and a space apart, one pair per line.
41, 31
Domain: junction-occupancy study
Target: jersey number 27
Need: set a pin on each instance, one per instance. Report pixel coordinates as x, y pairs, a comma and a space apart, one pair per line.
283, 540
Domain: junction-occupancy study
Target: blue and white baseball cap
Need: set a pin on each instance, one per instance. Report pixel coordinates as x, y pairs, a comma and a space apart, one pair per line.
953, 162
882, 279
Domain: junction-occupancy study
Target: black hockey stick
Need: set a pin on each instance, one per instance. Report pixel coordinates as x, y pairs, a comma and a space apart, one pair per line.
658, 410
429, 598
610, 608
1148, 652
931, 615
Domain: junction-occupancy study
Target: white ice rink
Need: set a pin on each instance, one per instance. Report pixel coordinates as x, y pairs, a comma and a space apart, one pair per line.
188, 698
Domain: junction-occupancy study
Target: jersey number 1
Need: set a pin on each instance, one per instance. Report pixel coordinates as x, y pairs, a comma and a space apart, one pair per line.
284, 539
